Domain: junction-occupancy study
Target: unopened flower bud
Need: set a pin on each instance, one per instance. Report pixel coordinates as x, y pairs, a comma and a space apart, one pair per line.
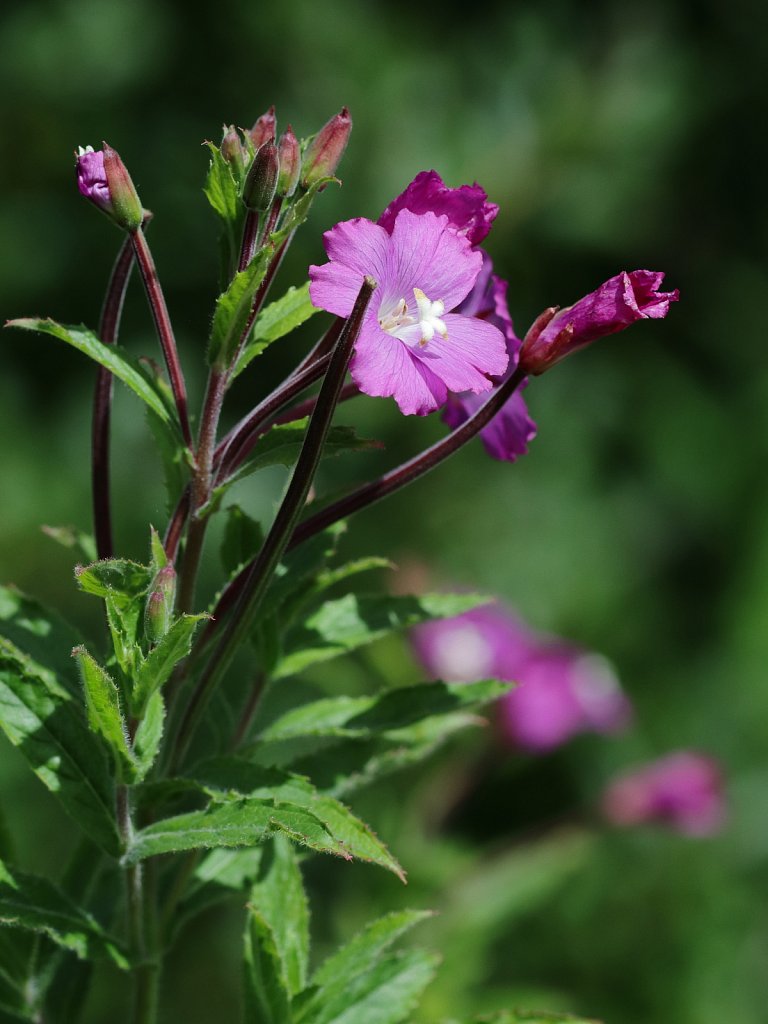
290, 163
261, 179
325, 151
232, 150
158, 611
264, 129
103, 178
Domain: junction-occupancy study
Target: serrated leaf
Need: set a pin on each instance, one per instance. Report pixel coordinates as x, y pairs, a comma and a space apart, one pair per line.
236, 823
159, 557
173, 458
163, 658
278, 897
266, 997
114, 577
35, 904
44, 720
112, 357
275, 321
149, 733
233, 310
352, 621
365, 984
281, 445
225, 776
220, 187
105, 716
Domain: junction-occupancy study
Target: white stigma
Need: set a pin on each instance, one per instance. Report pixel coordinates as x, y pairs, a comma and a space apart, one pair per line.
82, 150
429, 317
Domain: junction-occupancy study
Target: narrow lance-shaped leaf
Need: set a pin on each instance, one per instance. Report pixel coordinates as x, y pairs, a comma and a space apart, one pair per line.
149, 733
163, 658
36, 905
266, 996
105, 717
113, 358
275, 321
45, 721
233, 309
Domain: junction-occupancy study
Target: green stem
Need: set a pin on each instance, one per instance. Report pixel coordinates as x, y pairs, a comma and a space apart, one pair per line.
276, 541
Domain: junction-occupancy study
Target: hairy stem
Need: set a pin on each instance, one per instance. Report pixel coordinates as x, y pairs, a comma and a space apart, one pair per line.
145, 973
164, 329
277, 539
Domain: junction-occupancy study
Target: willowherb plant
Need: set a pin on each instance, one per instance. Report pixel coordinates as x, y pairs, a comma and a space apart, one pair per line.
156, 743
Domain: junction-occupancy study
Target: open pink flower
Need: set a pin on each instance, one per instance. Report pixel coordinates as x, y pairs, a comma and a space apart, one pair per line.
412, 345
616, 304
683, 790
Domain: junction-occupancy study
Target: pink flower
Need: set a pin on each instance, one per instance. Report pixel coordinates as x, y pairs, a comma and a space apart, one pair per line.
684, 790
412, 345
467, 207
92, 178
615, 305
103, 178
507, 435
561, 690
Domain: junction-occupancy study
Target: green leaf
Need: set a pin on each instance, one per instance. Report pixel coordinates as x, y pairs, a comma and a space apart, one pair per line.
42, 634
243, 536
76, 540
113, 358
40, 716
221, 188
225, 776
365, 984
278, 897
114, 577
233, 310
149, 733
275, 321
238, 823
174, 458
349, 622
530, 1017
34, 904
266, 997
281, 445
159, 557
163, 658
105, 716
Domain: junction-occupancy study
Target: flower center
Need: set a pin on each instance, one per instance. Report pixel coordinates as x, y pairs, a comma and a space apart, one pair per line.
399, 322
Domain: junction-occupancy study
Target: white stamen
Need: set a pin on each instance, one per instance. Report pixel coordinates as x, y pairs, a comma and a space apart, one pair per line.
429, 317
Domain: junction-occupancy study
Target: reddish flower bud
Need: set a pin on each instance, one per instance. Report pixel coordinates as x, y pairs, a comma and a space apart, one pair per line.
326, 149
232, 150
261, 179
290, 163
158, 611
264, 129
616, 304
103, 178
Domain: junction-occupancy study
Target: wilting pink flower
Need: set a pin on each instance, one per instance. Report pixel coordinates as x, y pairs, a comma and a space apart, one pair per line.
103, 178
615, 305
412, 345
561, 690
683, 790
466, 207
507, 435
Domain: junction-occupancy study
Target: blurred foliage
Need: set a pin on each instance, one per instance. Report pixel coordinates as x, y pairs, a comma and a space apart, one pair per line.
612, 138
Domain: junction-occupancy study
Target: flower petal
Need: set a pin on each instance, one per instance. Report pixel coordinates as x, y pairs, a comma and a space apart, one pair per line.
472, 351
382, 366
424, 253
467, 207
506, 437
356, 248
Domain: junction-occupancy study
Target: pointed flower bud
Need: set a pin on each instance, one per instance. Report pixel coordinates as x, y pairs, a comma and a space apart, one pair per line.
232, 150
158, 611
325, 151
264, 129
613, 306
290, 163
103, 178
261, 179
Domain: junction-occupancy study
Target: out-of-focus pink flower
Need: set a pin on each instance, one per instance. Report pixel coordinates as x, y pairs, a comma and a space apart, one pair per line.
616, 304
412, 345
466, 207
683, 790
561, 690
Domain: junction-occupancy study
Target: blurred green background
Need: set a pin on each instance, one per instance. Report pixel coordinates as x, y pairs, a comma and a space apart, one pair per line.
613, 137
